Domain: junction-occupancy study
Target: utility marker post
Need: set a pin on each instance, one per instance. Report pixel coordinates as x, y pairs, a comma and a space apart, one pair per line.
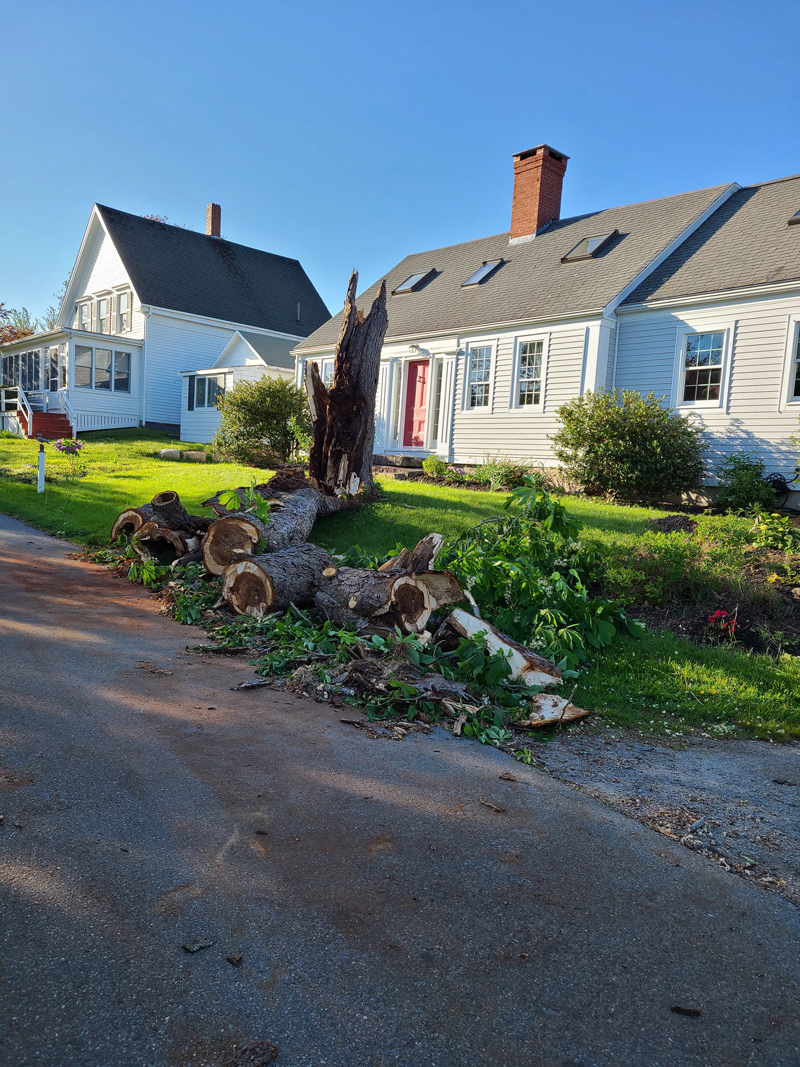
40, 482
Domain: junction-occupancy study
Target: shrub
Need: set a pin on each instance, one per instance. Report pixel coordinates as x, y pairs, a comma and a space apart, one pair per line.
260, 421
501, 472
772, 530
741, 483
628, 445
434, 467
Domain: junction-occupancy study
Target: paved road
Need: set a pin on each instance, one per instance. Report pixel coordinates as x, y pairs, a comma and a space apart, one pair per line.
383, 914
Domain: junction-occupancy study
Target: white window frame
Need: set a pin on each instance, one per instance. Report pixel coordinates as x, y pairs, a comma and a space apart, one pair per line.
205, 406
87, 304
727, 330
324, 366
790, 362
488, 407
109, 309
118, 328
513, 400
114, 352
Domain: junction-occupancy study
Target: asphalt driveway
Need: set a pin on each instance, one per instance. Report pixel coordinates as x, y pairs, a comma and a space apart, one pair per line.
361, 904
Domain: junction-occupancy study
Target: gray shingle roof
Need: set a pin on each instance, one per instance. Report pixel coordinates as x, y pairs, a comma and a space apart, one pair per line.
533, 283
182, 270
275, 351
745, 242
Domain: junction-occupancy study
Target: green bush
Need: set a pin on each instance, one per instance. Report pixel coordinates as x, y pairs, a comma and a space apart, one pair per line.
741, 483
262, 422
628, 445
434, 467
773, 530
500, 472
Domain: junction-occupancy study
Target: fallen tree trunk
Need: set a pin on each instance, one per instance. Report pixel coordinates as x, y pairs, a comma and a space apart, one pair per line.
526, 666
168, 511
276, 580
343, 418
417, 560
154, 540
238, 535
353, 597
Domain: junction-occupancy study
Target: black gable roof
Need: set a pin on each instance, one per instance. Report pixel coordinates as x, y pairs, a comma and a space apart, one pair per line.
182, 270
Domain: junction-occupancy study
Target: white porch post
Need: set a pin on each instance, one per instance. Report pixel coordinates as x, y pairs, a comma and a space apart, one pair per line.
444, 437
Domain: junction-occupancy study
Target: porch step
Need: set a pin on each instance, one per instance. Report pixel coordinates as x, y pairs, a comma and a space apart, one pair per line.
50, 424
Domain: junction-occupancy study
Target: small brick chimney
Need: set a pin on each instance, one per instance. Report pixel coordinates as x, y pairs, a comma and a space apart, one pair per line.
538, 177
213, 219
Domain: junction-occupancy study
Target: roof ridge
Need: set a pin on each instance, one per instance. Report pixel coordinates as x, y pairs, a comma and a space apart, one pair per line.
197, 233
772, 181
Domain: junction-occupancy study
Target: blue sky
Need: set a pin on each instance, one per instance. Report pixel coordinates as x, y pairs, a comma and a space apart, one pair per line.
349, 135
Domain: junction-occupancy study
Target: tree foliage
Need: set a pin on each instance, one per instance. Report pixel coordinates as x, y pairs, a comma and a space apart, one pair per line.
261, 420
628, 445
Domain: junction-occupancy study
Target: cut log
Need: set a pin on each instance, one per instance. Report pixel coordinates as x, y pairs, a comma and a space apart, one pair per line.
276, 580
343, 418
168, 511
237, 535
422, 558
443, 588
355, 597
130, 520
526, 666
155, 541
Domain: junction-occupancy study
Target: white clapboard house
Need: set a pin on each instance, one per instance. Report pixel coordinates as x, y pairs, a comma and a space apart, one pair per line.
155, 322
695, 297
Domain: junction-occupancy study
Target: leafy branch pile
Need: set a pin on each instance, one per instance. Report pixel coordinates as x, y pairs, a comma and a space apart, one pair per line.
527, 571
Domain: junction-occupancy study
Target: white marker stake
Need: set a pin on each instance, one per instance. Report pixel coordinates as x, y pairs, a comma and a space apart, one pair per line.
40, 484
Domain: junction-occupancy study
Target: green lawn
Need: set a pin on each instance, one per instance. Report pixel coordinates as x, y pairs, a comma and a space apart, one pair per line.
660, 683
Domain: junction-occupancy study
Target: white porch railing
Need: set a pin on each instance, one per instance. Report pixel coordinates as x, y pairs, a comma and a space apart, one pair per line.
68, 410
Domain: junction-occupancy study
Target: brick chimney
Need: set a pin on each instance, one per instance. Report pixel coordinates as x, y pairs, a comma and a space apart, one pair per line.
538, 177
213, 218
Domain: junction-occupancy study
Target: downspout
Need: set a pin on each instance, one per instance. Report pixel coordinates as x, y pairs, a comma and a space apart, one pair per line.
145, 310
616, 350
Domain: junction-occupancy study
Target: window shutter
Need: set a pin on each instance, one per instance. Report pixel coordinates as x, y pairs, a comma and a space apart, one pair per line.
191, 392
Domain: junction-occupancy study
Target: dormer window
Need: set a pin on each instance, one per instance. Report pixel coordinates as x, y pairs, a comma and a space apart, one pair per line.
123, 312
486, 269
589, 247
795, 219
102, 315
414, 282
84, 316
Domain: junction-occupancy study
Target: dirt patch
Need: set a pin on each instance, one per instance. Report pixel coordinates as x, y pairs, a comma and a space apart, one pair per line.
735, 802
674, 524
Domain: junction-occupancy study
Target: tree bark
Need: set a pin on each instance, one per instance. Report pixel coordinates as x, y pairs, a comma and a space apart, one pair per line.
273, 581
418, 560
526, 666
152, 540
353, 597
168, 511
343, 418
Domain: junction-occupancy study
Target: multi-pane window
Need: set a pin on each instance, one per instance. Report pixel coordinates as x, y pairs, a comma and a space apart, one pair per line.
529, 389
480, 366
100, 368
204, 391
84, 316
796, 393
23, 369
327, 373
438, 369
83, 367
123, 312
122, 372
102, 315
702, 367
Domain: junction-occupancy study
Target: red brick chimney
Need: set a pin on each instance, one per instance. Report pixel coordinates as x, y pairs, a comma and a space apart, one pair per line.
213, 218
538, 177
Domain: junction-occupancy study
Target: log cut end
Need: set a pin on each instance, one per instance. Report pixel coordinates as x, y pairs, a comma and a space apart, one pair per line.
228, 541
130, 521
248, 589
411, 603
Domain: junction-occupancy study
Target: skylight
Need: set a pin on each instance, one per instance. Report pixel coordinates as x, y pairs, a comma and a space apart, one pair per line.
795, 219
413, 282
589, 247
483, 272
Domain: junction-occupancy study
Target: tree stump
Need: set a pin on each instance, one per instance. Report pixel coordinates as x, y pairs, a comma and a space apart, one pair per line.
343, 418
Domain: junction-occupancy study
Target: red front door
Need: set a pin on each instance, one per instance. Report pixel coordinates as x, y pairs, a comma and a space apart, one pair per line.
416, 403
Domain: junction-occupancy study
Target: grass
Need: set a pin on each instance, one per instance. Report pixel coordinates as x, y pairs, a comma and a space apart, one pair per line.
123, 470
661, 684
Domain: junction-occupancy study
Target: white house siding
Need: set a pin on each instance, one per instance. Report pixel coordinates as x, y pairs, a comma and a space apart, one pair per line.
102, 272
101, 409
201, 424
755, 414
519, 433
173, 346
